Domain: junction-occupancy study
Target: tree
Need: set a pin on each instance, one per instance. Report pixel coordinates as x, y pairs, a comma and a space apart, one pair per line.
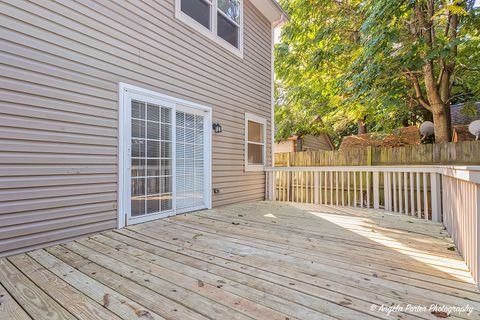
381, 63
317, 46
418, 44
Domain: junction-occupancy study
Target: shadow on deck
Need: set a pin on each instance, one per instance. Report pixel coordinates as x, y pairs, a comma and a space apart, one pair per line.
259, 260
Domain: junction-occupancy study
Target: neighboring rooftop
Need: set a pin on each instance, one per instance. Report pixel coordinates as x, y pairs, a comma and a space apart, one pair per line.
458, 116
402, 137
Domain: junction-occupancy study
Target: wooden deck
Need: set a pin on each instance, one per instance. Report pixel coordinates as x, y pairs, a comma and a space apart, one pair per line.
249, 261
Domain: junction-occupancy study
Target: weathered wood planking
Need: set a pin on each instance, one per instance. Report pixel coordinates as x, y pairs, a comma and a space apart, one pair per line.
108, 298
9, 308
70, 298
259, 260
32, 298
460, 153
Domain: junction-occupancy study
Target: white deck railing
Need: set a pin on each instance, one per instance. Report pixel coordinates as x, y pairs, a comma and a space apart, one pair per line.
448, 194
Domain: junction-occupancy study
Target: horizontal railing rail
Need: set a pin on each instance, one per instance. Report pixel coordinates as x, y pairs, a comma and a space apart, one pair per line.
447, 194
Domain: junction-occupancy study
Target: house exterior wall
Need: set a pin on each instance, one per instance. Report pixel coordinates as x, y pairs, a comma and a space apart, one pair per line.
316, 143
61, 65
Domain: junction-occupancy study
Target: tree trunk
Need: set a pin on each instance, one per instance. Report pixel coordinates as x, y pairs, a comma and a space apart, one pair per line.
440, 123
362, 127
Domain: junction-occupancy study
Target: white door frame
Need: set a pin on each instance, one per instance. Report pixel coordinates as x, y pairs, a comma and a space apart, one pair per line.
127, 91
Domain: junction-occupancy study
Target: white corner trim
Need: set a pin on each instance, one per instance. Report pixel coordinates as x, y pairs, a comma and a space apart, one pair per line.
263, 121
121, 161
212, 34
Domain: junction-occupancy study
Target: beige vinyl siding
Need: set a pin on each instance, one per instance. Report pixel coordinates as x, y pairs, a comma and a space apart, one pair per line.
60, 64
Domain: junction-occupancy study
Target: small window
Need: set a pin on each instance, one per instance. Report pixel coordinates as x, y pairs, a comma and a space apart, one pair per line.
221, 20
255, 134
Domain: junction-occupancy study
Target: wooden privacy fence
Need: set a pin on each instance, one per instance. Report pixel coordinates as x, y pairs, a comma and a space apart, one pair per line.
448, 194
460, 153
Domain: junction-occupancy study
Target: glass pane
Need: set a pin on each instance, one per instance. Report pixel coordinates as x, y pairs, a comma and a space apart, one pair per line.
166, 185
189, 135
180, 168
189, 120
255, 154
166, 150
138, 187
166, 202
153, 149
231, 8
198, 122
166, 115
198, 137
198, 152
180, 151
138, 110
255, 132
138, 167
166, 132
190, 174
138, 148
138, 206
138, 128
227, 30
153, 130
153, 167
189, 151
198, 10
153, 204
153, 185
153, 112
166, 168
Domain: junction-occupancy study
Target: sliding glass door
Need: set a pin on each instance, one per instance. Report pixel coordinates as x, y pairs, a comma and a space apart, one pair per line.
167, 158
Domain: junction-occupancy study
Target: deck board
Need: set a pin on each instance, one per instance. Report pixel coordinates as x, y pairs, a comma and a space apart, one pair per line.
260, 260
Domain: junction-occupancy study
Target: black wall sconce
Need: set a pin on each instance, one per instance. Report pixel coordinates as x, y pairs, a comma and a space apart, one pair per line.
217, 128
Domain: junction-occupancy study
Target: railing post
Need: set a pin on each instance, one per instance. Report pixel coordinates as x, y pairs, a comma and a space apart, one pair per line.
386, 195
315, 187
435, 191
271, 183
376, 190
477, 233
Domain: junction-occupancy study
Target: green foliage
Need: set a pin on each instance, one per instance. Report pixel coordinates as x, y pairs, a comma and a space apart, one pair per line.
469, 109
341, 61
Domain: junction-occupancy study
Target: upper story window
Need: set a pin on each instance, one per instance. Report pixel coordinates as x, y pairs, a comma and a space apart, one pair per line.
220, 20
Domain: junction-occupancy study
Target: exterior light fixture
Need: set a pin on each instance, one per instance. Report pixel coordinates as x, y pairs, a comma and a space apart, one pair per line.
217, 128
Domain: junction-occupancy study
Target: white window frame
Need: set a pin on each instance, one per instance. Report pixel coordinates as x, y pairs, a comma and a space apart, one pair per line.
212, 33
262, 121
125, 92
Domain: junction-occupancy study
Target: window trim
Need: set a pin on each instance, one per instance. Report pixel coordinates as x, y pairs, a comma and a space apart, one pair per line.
262, 121
212, 34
